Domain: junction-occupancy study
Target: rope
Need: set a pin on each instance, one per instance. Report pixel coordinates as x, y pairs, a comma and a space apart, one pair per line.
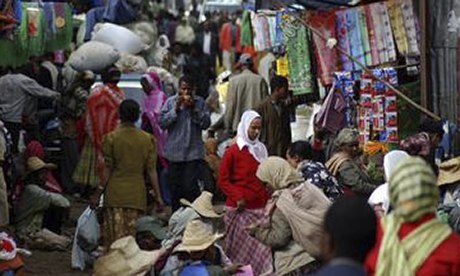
364, 67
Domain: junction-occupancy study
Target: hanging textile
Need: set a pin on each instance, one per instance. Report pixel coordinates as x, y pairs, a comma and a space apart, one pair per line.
383, 32
261, 32
246, 36
343, 41
365, 36
372, 36
324, 22
399, 31
298, 51
279, 30
282, 66
354, 34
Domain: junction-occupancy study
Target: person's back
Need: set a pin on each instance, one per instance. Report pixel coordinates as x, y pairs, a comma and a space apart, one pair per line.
129, 149
245, 91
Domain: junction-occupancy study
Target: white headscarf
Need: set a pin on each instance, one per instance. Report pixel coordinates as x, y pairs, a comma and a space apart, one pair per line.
256, 148
381, 194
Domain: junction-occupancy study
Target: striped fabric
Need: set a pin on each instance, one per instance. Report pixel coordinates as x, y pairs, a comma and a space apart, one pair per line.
413, 193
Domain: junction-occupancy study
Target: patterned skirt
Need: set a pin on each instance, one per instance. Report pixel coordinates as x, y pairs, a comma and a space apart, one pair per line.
240, 247
118, 223
85, 172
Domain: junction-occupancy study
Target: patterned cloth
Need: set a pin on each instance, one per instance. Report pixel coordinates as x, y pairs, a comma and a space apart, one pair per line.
343, 40
397, 23
298, 51
354, 34
324, 22
240, 247
372, 35
363, 28
101, 117
118, 223
317, 174
418, 144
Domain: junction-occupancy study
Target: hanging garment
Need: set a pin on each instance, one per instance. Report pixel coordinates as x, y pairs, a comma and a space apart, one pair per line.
246, 36
325, 23
332, 113
354, 35
343, 40
388, 32
372, 36
410, 26
298, 51
399, 31
379, 31
364, 36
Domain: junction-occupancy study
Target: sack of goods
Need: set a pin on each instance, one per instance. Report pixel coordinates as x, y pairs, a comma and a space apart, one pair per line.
130, 63
93, 56
146, 31
121, 38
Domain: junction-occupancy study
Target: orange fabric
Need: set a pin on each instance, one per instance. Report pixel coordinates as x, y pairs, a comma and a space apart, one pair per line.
102, 117
225, 38
13, 264
444, 260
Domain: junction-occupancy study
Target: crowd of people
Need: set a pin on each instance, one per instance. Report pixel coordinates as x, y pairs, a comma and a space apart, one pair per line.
307, 207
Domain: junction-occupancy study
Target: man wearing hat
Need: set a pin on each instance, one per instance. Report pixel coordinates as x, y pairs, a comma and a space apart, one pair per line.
245, 91
34, 202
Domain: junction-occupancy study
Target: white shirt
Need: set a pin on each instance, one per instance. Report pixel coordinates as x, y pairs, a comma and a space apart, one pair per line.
207, 43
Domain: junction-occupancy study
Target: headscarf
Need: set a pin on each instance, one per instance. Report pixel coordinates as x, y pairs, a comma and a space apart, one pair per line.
381, 194
153, 103
413, 194
278, 173
256, 148
413, 190
346, 136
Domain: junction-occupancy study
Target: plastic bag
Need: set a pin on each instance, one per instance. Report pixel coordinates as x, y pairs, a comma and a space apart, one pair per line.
121, 38
86, 239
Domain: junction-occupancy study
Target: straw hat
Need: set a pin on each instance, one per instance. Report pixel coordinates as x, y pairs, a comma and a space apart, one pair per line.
449, 172
197, 236
125, 258
202, 205
35, 164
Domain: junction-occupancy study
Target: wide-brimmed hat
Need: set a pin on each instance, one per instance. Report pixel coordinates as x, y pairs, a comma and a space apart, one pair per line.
202, 205
197, 237
125, 258
449, 172
152, 225
35, 164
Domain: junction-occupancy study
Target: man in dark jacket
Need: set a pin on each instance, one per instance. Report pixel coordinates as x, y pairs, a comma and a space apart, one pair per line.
208, 39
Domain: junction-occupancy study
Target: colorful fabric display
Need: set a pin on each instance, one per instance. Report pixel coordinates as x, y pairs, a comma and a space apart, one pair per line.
325, 23
246, 36
365, 36
372, 36
399, 31
354, 35
298, 51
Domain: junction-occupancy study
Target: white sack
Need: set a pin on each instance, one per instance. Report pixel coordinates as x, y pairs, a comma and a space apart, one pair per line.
121, 38
93, 56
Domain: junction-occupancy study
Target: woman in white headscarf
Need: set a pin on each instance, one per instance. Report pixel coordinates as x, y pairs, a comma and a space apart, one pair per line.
246, 195
380, 199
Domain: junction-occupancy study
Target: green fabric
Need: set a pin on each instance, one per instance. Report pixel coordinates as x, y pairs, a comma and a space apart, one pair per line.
298, 52
404, 258
365, 37
17, 52
246, 38
63, 36
413, 190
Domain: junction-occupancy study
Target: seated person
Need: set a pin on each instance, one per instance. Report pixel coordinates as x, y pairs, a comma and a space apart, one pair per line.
198, 243
35, 201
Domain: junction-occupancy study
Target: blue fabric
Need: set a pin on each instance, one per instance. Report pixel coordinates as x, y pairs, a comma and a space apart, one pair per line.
354, 33
447, 140
185, 142
342, 270
195, 269
93, 17
48, 9
17, 6
119, 12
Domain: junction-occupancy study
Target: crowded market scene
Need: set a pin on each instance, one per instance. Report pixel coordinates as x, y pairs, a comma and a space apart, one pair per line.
229, 137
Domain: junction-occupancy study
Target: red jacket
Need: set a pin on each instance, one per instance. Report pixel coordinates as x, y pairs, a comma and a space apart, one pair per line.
225, 38
238, 180
444, 260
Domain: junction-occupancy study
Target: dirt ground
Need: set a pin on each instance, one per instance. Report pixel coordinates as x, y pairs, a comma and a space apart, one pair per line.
57, 262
